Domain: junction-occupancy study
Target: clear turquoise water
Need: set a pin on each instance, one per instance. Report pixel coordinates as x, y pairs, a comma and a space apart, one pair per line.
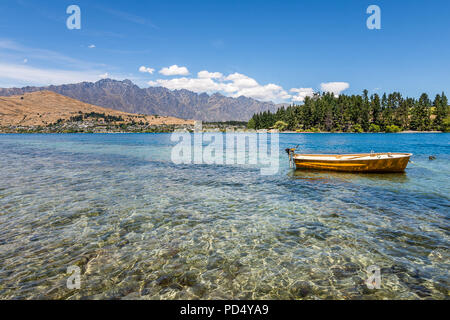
141, 227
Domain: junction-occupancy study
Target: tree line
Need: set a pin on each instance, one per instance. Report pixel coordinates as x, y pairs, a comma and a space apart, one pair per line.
359, 113
96, 115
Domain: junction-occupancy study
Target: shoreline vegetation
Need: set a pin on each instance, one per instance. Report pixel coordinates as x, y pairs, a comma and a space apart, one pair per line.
95, 123
101, 123
358, 114
322, 113
71, 128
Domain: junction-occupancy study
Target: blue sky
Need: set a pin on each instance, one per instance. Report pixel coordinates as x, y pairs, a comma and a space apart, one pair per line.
269, 50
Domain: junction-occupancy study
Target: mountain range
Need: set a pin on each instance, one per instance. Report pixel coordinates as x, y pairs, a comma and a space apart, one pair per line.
127, 97
43, 108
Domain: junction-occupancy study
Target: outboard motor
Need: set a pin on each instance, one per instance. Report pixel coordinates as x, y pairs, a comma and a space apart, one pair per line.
291, 152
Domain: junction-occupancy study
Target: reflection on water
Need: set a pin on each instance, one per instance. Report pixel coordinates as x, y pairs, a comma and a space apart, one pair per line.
140, 227
333, 176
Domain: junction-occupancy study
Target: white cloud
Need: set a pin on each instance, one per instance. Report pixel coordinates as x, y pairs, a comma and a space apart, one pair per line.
174, 71
145, 69
36, 70
334, 87
65, 69
242, 85
242, 81
268, 92
209, 75
234, 85
19, 75
198, 85
11, 49
92, 46
302, 93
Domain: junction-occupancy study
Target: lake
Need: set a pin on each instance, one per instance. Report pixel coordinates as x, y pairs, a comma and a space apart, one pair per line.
139, 226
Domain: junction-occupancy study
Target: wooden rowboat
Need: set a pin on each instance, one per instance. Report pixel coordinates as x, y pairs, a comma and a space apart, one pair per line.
364, 162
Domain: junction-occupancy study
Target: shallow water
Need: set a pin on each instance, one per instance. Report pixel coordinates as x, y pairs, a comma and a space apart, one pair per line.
141, 227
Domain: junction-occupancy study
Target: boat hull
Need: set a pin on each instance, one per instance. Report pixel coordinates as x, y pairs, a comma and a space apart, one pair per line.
354, 163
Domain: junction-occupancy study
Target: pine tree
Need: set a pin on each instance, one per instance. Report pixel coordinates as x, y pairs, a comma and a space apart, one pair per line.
359, 113
441, 110
420, 118
376, 109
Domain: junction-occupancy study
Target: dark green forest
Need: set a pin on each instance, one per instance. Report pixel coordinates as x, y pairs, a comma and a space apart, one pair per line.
359, 113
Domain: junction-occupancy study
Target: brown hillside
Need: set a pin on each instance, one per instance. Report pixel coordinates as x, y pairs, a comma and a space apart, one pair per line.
46, 107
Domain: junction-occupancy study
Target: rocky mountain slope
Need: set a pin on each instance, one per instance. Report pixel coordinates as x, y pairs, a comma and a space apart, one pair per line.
43, 108
128, 97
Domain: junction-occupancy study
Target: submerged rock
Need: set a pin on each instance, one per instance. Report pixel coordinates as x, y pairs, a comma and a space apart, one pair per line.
188, 279
301, 289
199, 289
164, 281
420, 290
345, 271
176, 286
215, 262
145, 290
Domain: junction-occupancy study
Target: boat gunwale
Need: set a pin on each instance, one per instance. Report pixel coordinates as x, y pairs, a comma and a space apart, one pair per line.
359, 157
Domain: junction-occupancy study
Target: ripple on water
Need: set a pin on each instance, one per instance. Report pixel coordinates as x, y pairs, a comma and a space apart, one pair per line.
143, 228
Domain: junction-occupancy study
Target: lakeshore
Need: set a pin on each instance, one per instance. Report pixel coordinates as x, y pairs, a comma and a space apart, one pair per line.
93, 127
